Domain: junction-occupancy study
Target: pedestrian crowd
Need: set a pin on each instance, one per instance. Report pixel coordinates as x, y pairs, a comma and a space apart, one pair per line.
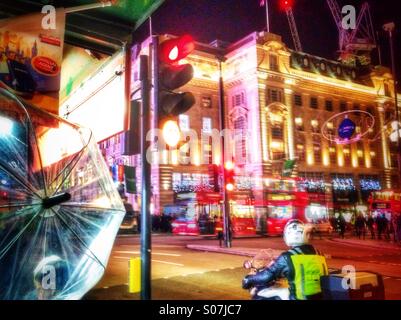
379, 228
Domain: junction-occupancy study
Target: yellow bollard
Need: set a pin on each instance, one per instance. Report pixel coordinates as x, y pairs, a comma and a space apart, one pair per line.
134, 275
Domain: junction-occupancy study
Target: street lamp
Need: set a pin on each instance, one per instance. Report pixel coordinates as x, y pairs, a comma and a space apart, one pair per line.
389, 27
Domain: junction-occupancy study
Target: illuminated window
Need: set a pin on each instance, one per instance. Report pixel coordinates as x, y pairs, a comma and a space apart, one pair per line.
238, 100
330, 128
278, 155
387, 91
184, 122
347, 157
315, 126
273, 62
277, 132
360, 150
299, 123
207, 125
207, 150
275, 95
373, 158
301, 153
333, 155
240, 142
317, 149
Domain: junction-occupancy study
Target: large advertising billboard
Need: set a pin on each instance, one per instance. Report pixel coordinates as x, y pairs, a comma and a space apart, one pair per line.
31, 53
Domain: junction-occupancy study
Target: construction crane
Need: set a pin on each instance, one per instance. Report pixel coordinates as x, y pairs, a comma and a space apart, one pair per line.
355, 45
286, 5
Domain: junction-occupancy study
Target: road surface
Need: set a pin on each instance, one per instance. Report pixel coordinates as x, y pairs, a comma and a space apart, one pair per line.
182, 274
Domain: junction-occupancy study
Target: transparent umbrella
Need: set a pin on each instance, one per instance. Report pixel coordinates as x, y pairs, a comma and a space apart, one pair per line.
59, 209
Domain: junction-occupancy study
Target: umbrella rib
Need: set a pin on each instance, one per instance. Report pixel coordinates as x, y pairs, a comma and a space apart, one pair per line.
21, 205
72, 168
33, 192
89, 207
12, 242
77, 236
30, 125
77, 156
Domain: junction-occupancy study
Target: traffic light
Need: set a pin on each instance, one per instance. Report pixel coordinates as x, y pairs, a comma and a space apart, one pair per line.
174, 75
229, 172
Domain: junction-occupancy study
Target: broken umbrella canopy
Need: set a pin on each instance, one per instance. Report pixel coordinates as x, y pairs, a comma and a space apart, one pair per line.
59, 209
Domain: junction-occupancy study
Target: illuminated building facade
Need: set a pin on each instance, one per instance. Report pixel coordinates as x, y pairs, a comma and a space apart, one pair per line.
284, 98
279, 99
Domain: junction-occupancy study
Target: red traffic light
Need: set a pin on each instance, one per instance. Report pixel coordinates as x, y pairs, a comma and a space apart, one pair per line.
229, 173
286, 4
174, 50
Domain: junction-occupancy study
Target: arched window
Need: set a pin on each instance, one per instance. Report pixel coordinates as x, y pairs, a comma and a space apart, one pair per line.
240, 128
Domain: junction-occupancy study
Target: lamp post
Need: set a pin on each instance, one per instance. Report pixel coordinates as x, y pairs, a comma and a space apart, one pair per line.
389, 27
226, 195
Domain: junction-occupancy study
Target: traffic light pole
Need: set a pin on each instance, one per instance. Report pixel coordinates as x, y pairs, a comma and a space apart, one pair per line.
226, 195
155, 77
146, 240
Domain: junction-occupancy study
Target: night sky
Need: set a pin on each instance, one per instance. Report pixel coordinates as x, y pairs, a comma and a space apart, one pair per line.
230, 20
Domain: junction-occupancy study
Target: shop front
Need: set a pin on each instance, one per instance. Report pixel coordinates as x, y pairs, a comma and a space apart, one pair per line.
345, 197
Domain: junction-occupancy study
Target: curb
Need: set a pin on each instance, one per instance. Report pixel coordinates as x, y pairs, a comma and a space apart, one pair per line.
393, 247
244, 252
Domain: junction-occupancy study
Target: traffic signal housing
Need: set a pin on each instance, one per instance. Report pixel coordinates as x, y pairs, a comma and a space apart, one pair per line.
173, 75
229, 173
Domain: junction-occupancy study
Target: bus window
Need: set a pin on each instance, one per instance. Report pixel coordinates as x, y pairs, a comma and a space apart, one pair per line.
280, 212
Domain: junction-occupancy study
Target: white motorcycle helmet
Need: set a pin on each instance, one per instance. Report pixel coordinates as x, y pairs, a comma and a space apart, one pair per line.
295, 234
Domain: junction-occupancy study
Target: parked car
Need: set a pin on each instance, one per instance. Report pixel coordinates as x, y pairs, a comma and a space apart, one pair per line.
319, 228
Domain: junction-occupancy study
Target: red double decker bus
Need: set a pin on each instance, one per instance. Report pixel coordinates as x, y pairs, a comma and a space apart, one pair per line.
284, 200
200, 213
387, 202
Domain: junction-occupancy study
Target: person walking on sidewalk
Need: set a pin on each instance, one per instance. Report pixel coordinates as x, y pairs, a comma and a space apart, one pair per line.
360, 227
370, 223
342, 226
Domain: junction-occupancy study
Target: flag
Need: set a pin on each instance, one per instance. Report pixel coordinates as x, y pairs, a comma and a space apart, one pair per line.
262, 3
31, 53
288, 169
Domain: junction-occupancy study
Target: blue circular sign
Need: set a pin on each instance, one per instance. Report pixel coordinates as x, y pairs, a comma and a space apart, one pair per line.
346, 129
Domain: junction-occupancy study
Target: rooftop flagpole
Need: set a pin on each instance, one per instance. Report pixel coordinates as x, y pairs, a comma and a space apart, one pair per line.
266, 3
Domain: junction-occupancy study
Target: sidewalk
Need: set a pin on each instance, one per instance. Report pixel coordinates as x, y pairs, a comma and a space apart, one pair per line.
377, 244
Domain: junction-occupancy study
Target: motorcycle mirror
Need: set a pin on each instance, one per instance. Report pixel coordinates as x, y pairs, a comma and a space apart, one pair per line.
248, 264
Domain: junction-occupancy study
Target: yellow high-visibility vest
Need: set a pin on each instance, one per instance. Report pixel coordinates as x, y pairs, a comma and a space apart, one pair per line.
308, 271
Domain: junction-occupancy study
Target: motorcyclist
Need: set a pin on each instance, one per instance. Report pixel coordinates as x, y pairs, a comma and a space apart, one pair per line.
302, 266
